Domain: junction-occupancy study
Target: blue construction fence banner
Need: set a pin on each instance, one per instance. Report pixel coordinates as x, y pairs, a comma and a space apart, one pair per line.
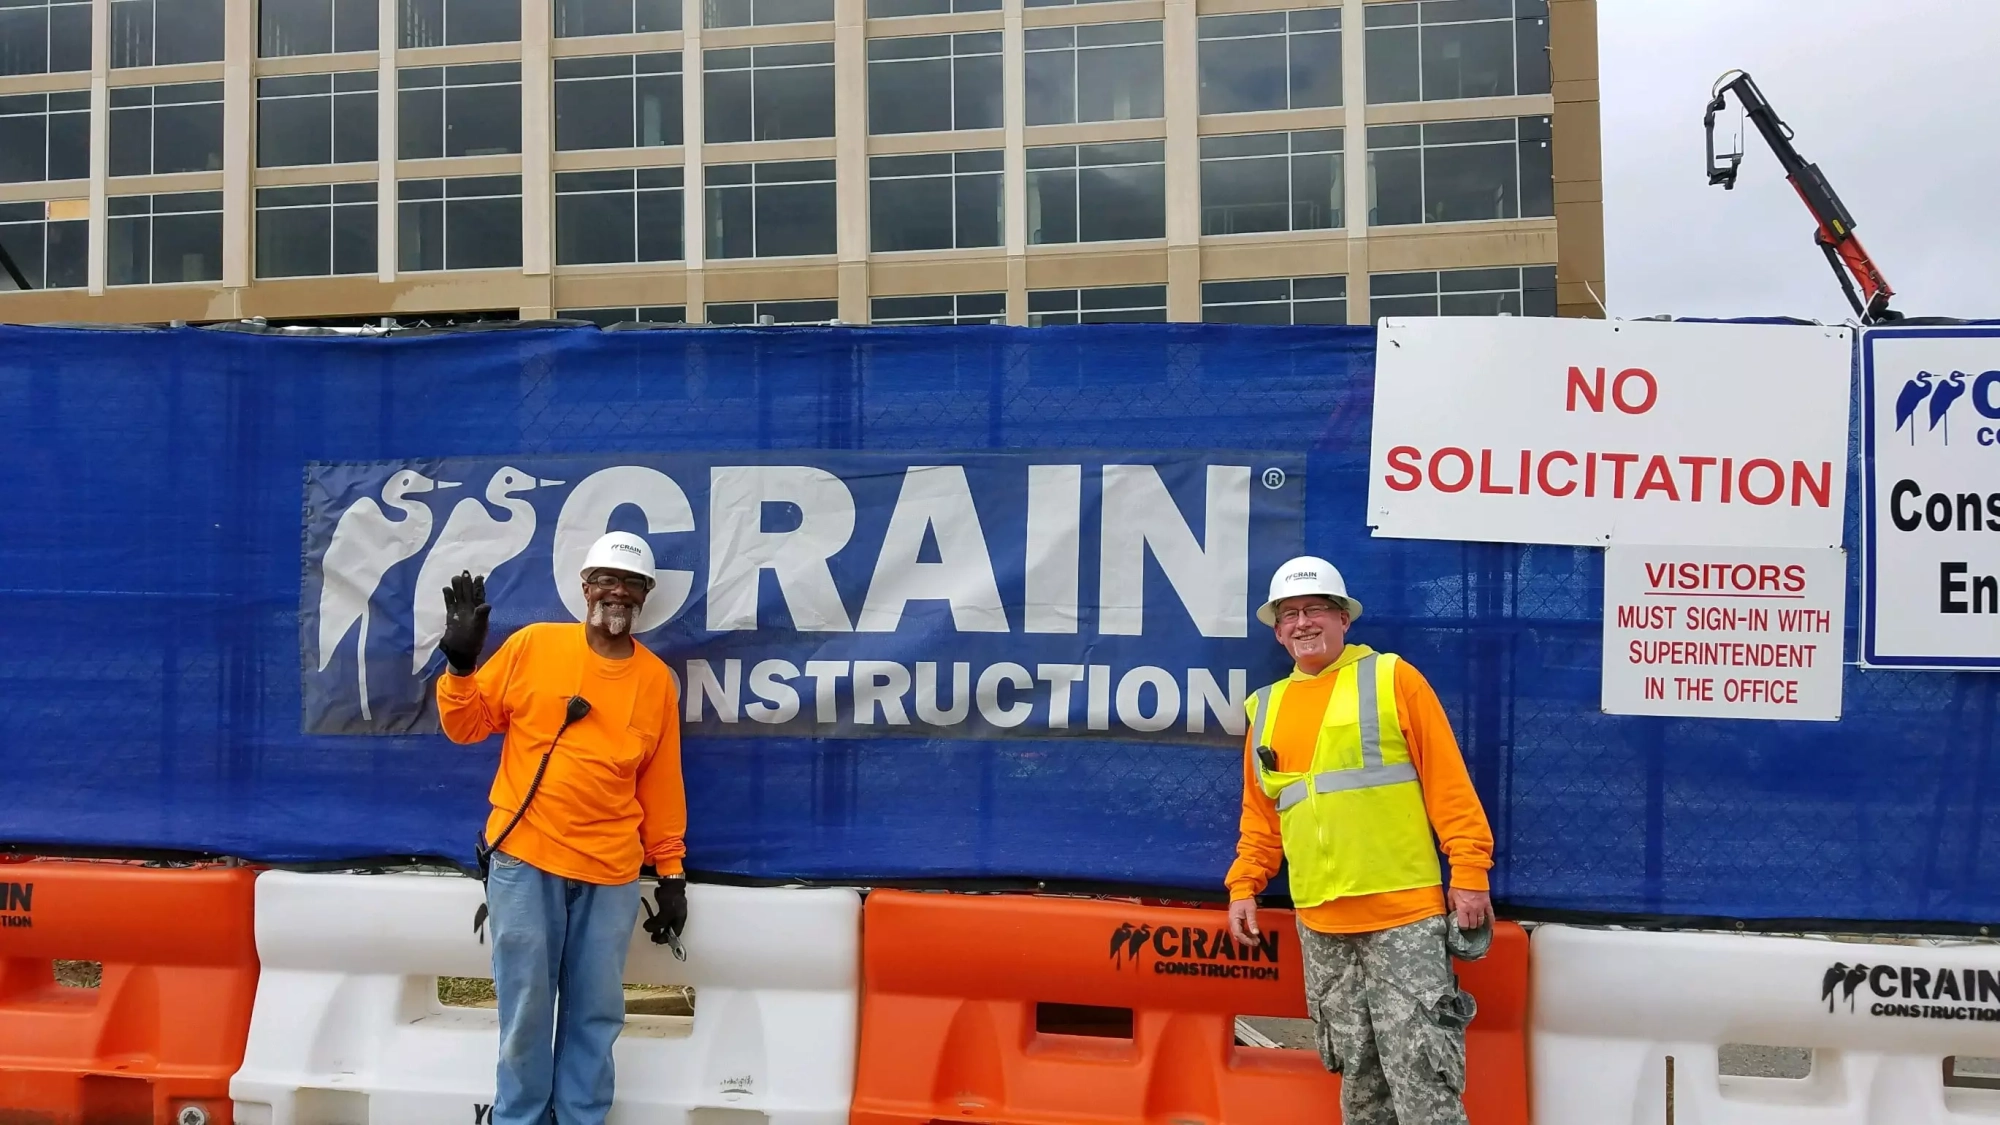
979, 602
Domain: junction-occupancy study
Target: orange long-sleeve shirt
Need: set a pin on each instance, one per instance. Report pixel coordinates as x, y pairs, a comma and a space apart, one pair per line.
1449, 800
612, 797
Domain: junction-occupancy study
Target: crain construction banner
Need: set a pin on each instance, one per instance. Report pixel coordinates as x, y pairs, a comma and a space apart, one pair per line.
984, 595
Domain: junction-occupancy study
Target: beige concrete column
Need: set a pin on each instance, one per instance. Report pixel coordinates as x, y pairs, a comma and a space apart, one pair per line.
1579, 162
693, 233
850, 147
1183, 162
239, 150
1014, 159
100, 143
537, 143
1354, 160
386, 140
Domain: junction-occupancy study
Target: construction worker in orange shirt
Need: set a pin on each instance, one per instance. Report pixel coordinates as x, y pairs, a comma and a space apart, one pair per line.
587, 798
1352, 778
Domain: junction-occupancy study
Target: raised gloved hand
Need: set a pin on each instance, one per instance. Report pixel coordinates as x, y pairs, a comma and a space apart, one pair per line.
665, 924
465, 613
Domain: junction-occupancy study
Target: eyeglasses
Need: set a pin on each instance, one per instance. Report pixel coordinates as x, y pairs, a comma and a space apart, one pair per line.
1318, 611
608, 581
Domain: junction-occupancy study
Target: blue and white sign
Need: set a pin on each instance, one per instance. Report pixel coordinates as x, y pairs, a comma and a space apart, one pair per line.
985, 595
1930, 447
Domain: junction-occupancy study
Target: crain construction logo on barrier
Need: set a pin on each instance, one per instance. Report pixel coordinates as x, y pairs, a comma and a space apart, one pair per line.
1194, 951
981, 595
1911, 992
17, 904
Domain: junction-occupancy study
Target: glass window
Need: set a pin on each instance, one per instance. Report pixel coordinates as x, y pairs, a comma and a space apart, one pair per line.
889, 9
156, 130
316, 119
1097, 193
1271, 182
164, 239
49, 243
937, 201
165, 32
45, 137
934, 83
1270, 60
315, 27
1445, 49
782, 92
1124, 304
618, 101
1278, 300
445, 23
780, 312
1060, 3
44, 36
467, 223
626, 215
615, 17
759, 13
472, 110
1506, 291
945, 308
316, 231
644, 314
1460, 171
1097, 72
770, 210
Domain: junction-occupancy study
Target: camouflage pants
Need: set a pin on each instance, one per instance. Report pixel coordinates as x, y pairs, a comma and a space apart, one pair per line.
1391, 1021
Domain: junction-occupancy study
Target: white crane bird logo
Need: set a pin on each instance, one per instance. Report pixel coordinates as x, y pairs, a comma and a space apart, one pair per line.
472, 540
366, 544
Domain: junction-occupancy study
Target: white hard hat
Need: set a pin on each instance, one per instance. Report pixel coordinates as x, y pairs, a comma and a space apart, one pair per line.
1305, 575
621, 550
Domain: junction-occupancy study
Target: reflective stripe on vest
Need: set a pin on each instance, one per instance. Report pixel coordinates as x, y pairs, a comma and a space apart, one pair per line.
1372, 772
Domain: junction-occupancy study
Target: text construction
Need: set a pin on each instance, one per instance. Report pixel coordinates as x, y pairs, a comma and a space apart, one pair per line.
1588, 433
1724, 632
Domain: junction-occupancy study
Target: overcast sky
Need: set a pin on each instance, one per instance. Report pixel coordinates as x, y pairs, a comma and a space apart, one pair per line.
1897, 101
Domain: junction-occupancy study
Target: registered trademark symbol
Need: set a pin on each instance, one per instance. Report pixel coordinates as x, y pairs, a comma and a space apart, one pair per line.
1274, 478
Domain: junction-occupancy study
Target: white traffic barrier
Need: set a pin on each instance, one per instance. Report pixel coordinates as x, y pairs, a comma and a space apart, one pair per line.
348, 1030
1610, 1007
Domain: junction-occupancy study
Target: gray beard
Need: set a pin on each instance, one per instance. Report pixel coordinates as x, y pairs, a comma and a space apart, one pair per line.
613, 619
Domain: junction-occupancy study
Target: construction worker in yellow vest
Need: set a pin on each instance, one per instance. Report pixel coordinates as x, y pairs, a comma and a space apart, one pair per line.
1352, 778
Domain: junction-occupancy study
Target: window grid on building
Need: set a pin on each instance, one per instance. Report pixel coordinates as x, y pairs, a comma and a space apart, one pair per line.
780, 312
159, 130
935, 201
939, 309
165, 32
777, 93
643, 314
309, 119
1097, 193
618, 101
463, 223
625, 215
315, 27
1440, 50
614, 17
1118, 304
470, 110
1095, 72
1460, 171
891, 9
316, 230
1257, 182
764, 13
1504, 291
164, 239
45, 137
1270, 61
775, 210
44, 36
1276, 300
452, 23
934, 83
48, 242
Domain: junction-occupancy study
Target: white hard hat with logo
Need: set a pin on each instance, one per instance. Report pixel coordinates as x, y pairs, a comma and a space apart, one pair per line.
621, 550
1304, 576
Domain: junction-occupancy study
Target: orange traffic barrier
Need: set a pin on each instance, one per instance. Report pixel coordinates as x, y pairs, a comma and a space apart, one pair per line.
1027, 1010
158, 1037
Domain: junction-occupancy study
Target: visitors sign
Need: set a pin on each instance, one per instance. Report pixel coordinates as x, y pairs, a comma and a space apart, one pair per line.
1724, 632
1930, 447
1526, 430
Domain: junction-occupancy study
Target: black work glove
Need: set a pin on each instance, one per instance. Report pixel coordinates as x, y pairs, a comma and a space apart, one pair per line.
664, 925
465, 613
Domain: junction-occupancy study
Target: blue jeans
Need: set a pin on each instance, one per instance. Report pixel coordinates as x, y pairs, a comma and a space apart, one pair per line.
556, 938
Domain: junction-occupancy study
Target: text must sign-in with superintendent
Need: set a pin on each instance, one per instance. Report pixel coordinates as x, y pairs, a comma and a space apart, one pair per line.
1724, 632
1525, 430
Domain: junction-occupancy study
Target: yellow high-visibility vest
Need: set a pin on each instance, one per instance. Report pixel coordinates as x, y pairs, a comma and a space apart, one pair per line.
1354, 823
